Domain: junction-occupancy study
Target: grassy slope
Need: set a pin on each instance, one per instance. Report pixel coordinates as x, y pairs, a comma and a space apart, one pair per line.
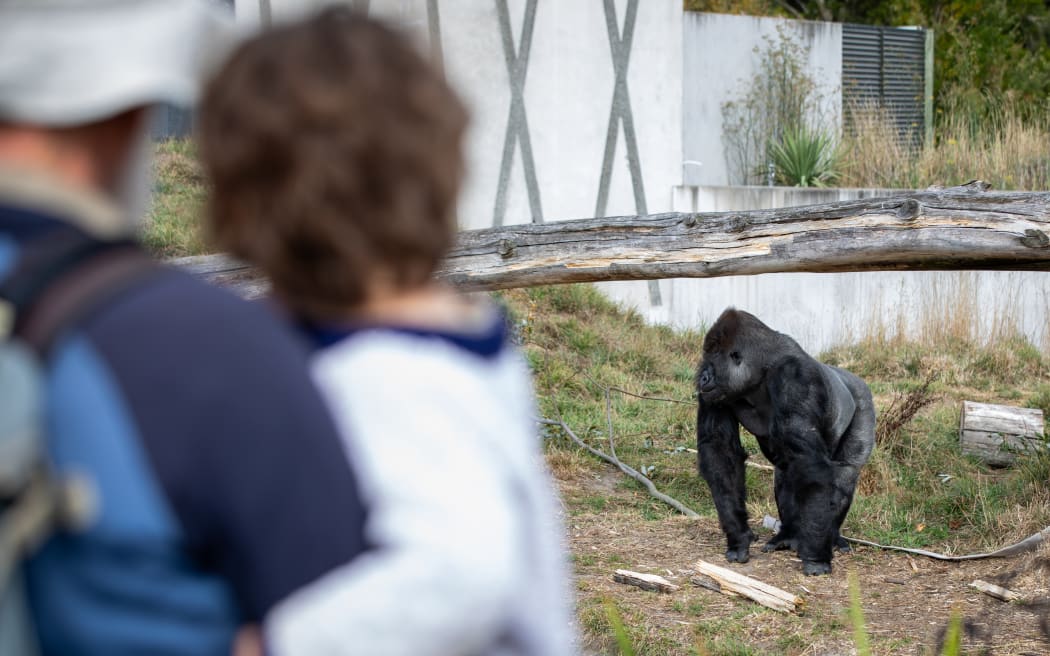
579, 344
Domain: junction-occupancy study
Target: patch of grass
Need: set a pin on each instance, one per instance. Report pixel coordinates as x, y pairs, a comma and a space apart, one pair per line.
173, 226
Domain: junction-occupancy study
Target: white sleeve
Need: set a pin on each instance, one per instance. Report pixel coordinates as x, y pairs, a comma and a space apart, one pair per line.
449, 552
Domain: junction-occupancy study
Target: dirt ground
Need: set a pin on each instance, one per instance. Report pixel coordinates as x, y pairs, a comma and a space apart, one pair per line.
907, 600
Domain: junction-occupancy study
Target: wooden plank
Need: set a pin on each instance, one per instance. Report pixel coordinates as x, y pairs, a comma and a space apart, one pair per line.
651, 582
996, 591
931, 230
745, 586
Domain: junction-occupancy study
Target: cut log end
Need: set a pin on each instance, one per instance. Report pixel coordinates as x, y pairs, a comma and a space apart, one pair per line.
997, 434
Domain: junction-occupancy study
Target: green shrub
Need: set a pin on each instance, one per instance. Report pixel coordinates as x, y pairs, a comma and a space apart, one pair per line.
805, 157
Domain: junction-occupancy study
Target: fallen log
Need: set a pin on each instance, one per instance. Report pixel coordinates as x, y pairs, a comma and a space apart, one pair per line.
651, 582
731, 583
931, 230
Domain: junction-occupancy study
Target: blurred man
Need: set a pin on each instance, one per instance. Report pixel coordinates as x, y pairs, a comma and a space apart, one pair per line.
220, 484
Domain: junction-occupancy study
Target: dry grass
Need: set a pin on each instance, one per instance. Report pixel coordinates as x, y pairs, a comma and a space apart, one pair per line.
173, 227
1007, 148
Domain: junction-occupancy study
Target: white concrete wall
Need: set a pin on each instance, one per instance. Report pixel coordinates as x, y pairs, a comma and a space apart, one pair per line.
720, 61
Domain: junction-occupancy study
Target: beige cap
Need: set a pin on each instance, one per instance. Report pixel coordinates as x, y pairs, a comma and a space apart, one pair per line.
71, 62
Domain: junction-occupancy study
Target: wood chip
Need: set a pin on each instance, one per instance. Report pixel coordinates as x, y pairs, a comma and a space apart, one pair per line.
730, 582
996, 591
652, 582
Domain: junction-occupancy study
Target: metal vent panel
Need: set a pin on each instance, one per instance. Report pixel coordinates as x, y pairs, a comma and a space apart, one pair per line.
886, 66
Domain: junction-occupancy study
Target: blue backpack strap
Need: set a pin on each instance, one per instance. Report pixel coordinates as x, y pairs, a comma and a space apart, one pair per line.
57, 282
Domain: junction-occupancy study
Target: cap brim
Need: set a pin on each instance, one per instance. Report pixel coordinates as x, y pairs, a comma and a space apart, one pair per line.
70, 62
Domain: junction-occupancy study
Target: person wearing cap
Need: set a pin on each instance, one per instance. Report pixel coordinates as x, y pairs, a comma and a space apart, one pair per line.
220, 484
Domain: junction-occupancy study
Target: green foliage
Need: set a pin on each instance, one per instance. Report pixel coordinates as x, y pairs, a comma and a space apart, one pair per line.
983, 49
782, 99
856, 616
953, 636
622, 639
748, 7
804, 157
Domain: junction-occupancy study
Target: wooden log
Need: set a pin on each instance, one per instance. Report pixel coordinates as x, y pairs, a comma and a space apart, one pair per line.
651, 582
931, 230
996, 434
732, 583
996, 591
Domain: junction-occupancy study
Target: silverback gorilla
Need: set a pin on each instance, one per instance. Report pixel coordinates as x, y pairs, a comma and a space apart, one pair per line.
814, 422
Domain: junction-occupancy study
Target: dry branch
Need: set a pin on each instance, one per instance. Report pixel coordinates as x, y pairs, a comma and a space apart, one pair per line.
729, 581
992, 590
930, 230
651, 582
626, 469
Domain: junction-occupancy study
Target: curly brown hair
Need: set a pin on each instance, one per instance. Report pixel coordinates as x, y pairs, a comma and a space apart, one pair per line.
335, 151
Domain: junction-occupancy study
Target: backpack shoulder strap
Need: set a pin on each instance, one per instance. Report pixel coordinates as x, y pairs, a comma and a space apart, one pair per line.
62, 278
57, 282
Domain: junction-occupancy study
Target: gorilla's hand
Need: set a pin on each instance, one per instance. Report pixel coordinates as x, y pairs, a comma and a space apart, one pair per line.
813, 568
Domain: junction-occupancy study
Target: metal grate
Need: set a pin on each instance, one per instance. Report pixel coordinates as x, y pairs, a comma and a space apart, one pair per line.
886, 67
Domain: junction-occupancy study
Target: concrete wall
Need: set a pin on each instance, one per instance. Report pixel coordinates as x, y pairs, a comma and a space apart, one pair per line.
825, 309
720, 60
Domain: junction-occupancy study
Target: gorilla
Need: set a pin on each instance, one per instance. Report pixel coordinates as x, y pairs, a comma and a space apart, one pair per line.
814, 422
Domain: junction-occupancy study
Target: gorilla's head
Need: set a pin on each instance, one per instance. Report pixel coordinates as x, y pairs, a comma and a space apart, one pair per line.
734, 356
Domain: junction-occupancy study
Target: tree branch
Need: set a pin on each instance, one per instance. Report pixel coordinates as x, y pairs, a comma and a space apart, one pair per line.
626, 469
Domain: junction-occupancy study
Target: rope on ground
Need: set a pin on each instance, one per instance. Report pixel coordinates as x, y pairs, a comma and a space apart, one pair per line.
1030, 543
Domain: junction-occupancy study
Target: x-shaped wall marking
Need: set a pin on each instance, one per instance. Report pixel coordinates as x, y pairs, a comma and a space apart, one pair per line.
517, 122
621, 113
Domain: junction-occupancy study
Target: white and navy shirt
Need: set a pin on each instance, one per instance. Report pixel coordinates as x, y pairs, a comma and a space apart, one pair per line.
469, 556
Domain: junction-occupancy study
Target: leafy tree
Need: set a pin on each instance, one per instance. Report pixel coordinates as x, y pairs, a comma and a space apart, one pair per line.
985, 50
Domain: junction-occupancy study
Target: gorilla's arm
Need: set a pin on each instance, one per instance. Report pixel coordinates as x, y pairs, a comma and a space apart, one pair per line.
799, 398
721, 459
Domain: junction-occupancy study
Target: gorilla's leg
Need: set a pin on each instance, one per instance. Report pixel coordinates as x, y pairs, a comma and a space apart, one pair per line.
721, 459
852, 452
845, 482
818, 512
787, 508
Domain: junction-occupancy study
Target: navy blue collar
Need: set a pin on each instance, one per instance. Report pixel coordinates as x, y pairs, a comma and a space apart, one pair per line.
23, 224
486, 343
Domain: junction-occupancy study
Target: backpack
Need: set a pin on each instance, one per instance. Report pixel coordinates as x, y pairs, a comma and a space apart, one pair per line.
58, 281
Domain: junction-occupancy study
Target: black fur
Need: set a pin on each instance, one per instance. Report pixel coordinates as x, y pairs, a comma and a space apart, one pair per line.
814, 422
